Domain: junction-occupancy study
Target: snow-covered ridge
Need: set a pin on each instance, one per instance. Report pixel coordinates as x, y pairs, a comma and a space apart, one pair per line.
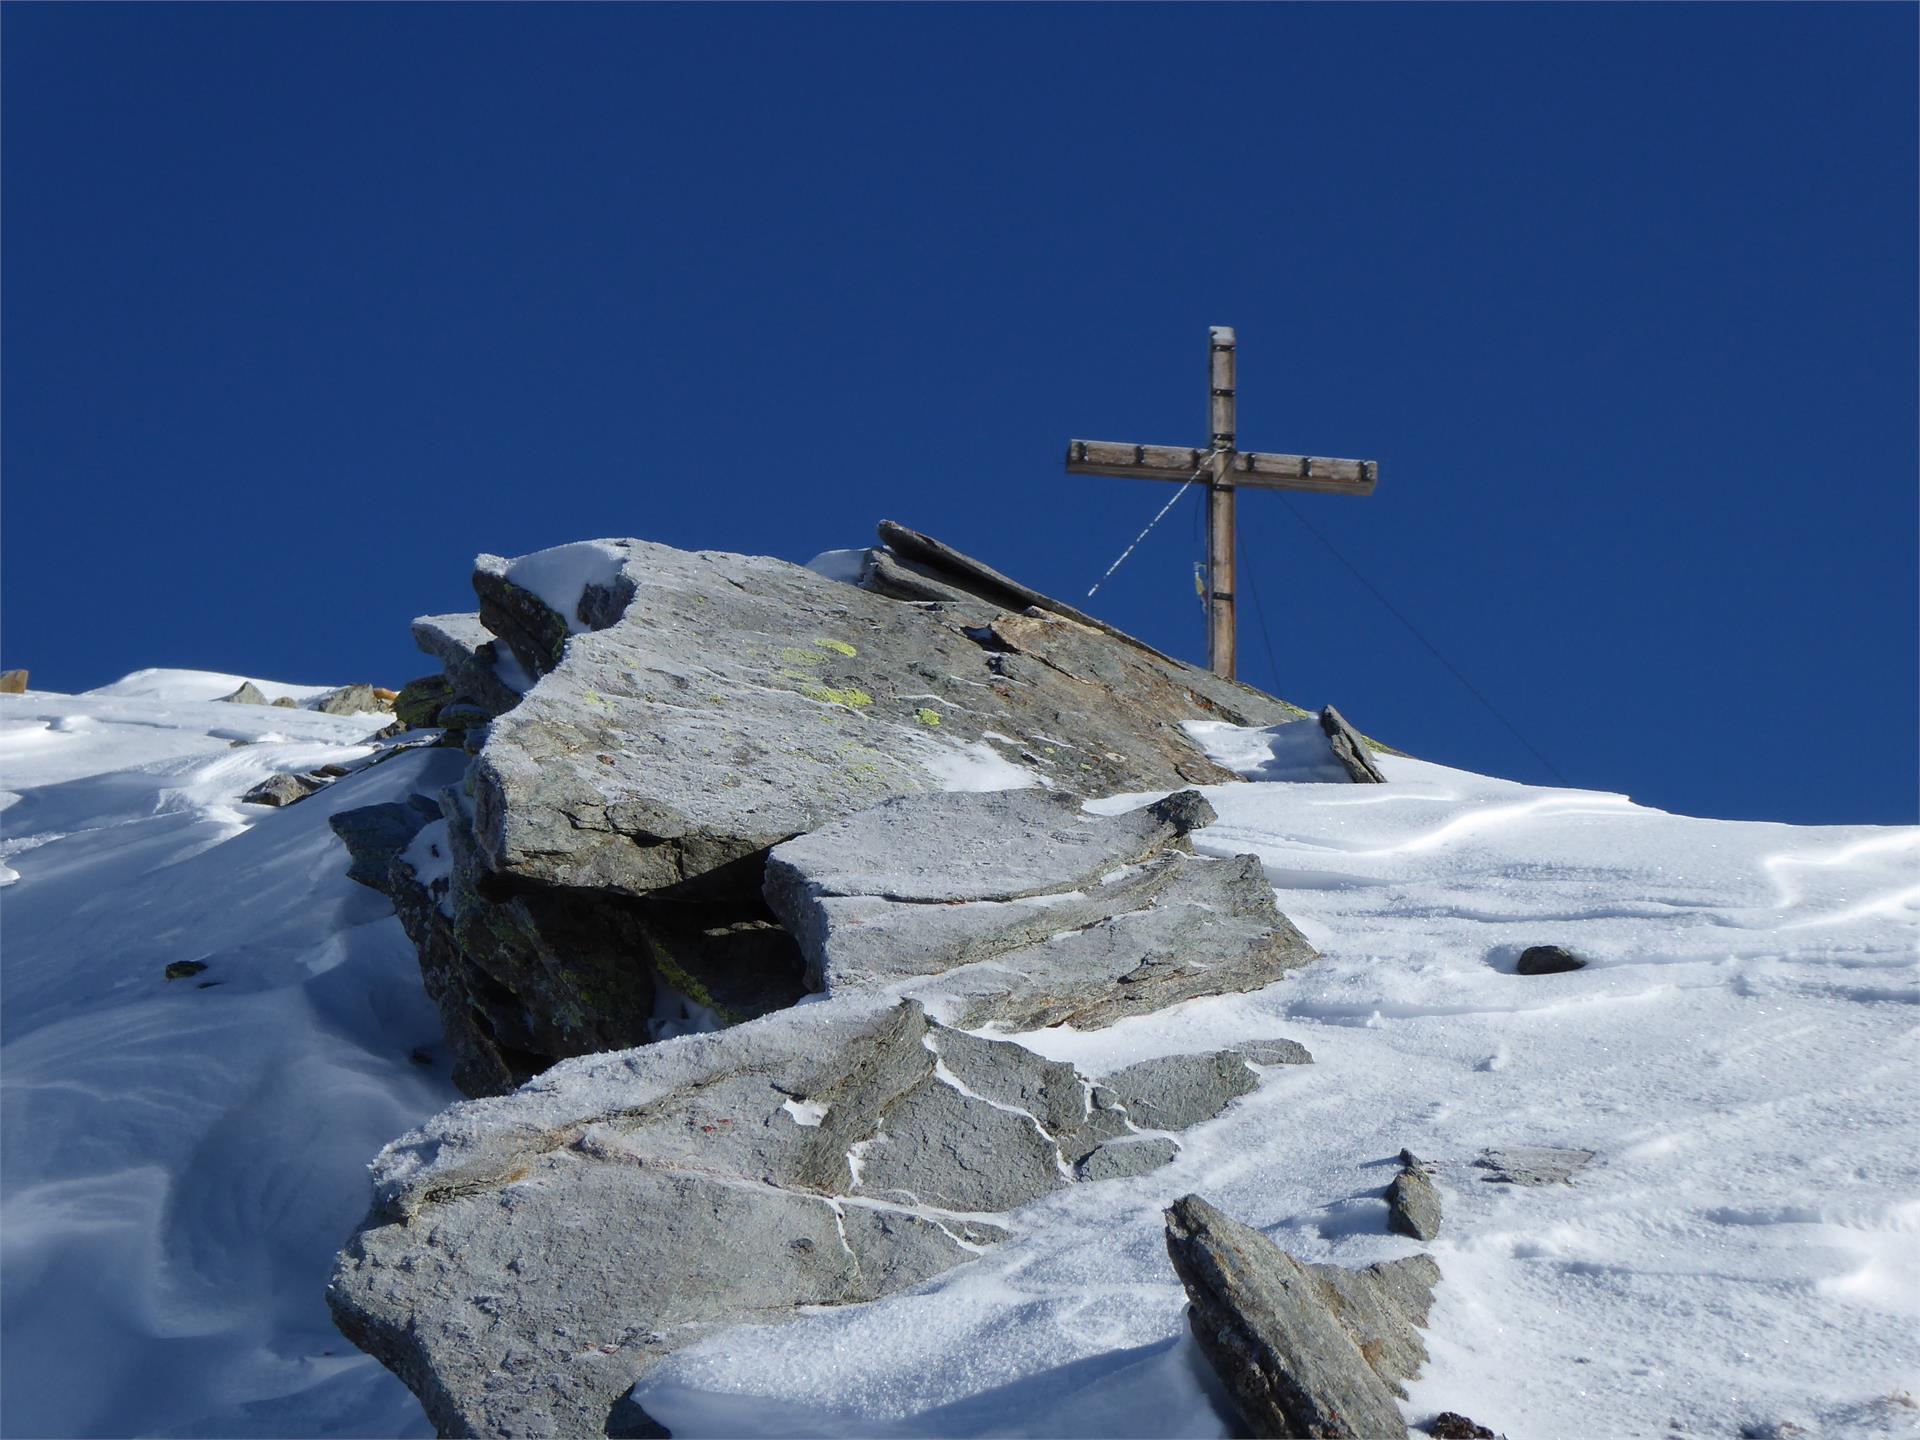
180, 1163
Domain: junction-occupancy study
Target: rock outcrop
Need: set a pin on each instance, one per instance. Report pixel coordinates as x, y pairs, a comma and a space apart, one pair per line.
528, 1258
1303, 1349
644, 740
701, 787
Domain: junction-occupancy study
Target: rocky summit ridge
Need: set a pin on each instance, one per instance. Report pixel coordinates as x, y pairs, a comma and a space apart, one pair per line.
704, 787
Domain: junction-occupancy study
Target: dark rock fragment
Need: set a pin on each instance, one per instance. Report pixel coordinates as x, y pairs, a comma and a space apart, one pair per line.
1450, 1425
1303, 1349
185, 969
419, 701
1413, 1205
1547, 960
283, 789
376, 834
1350, 749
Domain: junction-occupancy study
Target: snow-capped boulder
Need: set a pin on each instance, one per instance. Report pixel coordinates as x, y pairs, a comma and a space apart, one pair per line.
1303, 1349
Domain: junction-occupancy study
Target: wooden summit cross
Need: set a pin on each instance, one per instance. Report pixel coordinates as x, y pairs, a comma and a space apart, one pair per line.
1226, 470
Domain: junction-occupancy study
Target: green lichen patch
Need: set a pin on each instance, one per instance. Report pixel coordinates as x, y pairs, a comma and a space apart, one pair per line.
852, 698
926, 716
839, 647
794, 655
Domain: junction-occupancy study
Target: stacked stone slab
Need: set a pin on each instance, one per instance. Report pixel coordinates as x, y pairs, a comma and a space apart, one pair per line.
528, 1258
637, 760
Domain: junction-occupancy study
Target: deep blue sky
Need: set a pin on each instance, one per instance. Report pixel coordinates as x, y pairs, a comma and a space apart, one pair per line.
304, 306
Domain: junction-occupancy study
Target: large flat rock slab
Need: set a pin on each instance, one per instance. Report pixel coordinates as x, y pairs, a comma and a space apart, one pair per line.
1030, 911
923, 883
1211, 929
527, 1258
738, 701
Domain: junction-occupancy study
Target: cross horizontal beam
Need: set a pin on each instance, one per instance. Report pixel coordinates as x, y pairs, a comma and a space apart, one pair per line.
1246, 469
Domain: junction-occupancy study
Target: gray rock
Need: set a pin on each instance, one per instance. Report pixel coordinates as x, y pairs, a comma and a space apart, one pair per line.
247, 694
1120, 1159
1413, 1205
922, 883
965, 847
621, 812
528, 1258
1211, 929
375, 835
739, 701
1175, 1091
1277, 1052
1303, 1349
940, 1147
285, 702
1547, 960
1532, 1165
283, 789
419, 701
351, 700
469, 657
1350, 748
1451, 1425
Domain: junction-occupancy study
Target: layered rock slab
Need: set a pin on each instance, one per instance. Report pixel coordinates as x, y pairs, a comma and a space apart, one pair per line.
1035, 912
1305, 1350
685, 713
739, 700
529, 1257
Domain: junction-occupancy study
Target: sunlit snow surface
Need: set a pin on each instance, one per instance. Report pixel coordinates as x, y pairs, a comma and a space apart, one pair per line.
177, 1163
1741, 1055
180, 1163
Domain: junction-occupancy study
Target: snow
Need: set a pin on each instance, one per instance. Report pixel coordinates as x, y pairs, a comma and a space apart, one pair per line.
179, 1164
976, 766
560, 576
1299, 750
1740, 1054
842, 565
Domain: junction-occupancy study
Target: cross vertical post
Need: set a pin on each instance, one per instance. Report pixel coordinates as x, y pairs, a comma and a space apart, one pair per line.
1226, 470
1220, 530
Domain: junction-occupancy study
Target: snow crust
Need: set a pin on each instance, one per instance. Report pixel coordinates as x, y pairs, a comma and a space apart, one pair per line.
178, 1165
560, 576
